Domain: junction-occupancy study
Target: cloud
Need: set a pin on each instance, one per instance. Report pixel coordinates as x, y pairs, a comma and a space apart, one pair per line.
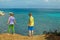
28, 3
46, 0
5, 0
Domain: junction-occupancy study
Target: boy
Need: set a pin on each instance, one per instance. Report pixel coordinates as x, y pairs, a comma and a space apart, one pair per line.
11, 22
31, 24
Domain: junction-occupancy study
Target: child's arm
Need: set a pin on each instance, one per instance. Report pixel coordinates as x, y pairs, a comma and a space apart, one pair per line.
8, 21
29, 22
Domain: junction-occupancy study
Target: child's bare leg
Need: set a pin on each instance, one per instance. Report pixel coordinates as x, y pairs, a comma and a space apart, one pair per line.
32, 33
29, 33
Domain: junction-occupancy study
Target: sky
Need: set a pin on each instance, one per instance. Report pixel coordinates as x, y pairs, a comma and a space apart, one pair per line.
29, 3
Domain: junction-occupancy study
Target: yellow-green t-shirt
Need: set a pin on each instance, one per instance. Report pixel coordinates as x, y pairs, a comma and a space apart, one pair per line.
31, 21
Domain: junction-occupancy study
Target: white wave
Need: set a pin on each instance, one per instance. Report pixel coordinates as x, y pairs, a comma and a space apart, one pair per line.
2, 13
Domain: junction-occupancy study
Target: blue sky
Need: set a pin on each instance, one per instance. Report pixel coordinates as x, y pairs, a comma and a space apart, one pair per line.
29, 3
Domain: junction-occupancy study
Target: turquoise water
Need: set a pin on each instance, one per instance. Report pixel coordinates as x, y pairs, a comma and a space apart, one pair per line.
45, 20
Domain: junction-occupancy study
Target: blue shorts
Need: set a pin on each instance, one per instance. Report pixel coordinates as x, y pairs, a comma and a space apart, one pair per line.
30, 28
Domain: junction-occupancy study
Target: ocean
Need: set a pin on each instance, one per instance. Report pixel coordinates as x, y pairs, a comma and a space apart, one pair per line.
45, 20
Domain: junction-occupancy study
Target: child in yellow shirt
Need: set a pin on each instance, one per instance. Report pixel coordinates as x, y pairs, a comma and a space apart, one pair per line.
31, 24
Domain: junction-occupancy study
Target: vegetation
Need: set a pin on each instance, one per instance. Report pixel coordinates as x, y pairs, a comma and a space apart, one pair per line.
56, 33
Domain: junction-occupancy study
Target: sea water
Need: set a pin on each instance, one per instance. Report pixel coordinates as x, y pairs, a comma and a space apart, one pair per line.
45, 20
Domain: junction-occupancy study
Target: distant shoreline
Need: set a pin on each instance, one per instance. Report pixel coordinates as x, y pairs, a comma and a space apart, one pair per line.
29, 8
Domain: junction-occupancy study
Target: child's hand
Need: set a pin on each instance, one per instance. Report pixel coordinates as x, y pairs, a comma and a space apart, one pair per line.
7, 23
14, 22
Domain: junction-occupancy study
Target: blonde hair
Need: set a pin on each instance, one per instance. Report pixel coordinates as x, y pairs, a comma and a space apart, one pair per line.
11, 14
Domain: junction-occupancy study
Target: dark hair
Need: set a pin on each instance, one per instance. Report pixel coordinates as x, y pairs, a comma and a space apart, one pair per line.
30, 14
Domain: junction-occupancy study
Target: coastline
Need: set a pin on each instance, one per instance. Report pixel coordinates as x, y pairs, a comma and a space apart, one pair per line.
20, 37
5, 36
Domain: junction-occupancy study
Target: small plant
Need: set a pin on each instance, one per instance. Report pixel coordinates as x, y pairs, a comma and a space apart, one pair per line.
53, 33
